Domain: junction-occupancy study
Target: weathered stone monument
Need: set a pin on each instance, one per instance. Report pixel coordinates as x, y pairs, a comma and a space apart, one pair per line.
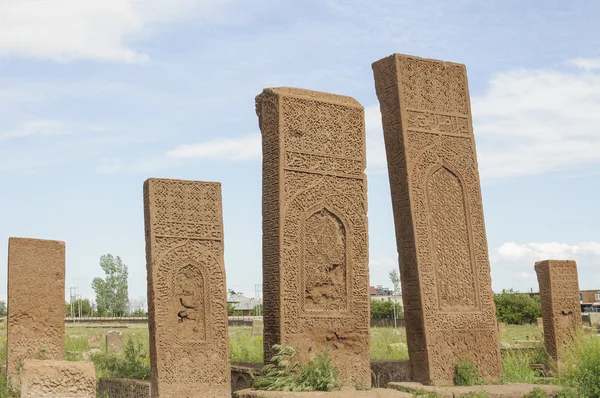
36, 302
501, 327
258, 327
114, 342
440, 233
561, 312
187, 314
58, 379
315, 242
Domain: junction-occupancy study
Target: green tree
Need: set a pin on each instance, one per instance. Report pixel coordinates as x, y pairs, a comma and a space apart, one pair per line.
3, 308
112, 291
385, 309
513, 307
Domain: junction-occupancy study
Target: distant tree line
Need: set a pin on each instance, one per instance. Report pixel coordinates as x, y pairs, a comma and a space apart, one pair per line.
514, 308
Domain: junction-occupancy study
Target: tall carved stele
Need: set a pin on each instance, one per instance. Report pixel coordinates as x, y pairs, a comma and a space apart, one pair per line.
561, 311
187, 311
440, 233
36, 302
315, 242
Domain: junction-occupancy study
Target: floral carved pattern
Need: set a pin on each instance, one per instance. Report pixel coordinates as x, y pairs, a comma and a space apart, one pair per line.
315, 243
438, 212
189, 350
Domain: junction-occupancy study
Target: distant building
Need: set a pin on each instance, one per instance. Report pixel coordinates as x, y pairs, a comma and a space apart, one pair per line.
243, 305
381, 293
589, 300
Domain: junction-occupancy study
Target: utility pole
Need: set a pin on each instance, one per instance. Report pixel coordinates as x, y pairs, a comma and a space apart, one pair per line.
257, 294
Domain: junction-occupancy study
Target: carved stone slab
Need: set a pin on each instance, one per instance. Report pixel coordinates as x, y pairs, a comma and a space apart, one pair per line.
440, 233
58, 379
187, 312
561, 311
36, 302
315, 242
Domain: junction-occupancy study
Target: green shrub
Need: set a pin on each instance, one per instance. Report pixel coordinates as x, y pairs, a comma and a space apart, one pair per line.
425, 394
581, 367
536, 393
566, 392
283, 374
466, 374
134, 364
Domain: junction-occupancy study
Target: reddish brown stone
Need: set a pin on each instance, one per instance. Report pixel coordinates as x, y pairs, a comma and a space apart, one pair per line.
58, 379
440, 233
36, 302
187, 311
315, 242
561, 312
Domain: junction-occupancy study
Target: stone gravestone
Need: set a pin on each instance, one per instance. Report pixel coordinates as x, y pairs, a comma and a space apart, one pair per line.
257, 327
315, 242
540, 322
501, 327
36, 302
561, 311
187, 317
58, 379
440, 233
114, 342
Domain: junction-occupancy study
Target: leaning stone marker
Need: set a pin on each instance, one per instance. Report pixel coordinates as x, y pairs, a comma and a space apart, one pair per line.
187, 314
561, 311
114, 342
258, 327
440, 233
36, 302
58, 379
315, 242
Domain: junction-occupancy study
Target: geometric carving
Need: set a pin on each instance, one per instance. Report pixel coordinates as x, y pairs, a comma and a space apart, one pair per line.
438, 213
315, 242
561, 311
36, 300
187, 313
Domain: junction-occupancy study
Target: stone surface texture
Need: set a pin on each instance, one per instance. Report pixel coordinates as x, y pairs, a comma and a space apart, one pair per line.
385, 371
440, 233
187, 311
315, 242
561, 312
58, 379
516, 390
374, 393
123, 388
36, 302
114, 342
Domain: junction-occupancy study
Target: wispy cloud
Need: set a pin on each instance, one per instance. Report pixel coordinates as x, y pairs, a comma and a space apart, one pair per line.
36, 128
75, 29
244, 148
585, 63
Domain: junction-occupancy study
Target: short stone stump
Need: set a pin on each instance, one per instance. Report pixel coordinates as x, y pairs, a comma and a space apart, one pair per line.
516, 390
58, 379
373, 393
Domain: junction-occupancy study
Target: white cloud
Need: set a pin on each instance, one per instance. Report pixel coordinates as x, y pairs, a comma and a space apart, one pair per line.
585, 63
35, 127
245, 148
532, 122
65, 30
513, 263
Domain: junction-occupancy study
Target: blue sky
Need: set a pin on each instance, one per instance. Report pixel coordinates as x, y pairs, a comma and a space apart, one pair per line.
96, 96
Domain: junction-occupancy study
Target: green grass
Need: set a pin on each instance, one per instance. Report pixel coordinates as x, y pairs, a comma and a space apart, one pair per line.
387, 345
581, 369
243, 347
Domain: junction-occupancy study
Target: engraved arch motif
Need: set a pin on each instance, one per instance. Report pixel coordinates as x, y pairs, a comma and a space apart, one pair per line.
324, 262
451, 241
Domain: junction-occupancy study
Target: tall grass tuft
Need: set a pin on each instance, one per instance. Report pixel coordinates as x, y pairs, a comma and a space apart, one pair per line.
466, 374
516, 369
581, 368
135, 364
